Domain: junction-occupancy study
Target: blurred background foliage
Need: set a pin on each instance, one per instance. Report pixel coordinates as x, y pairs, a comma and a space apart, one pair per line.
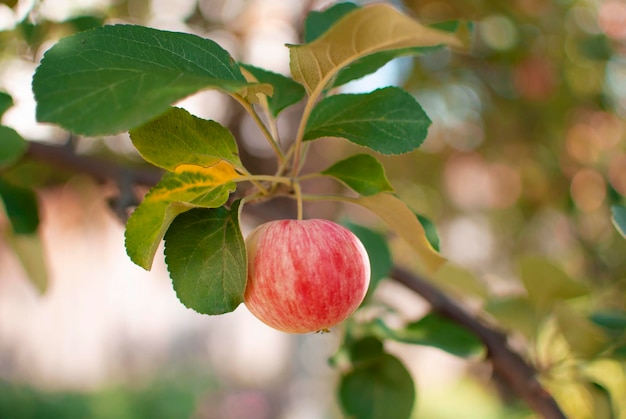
525, 157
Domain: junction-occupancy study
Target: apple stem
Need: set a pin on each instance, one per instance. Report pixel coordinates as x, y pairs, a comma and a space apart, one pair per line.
298, 191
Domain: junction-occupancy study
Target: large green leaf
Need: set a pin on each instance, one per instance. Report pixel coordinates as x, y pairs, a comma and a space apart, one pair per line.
12, 146
389, 120
174, 194
402, 221
437, 331
361, 172
360, 32
177, 137
318, 22
286, 91
380, 257
378, 386
619, 218
21, 207
114, 78
206, 256
6, 101
546, 283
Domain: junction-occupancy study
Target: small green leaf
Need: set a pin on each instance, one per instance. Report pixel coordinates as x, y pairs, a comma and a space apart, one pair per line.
515, 313
439, 332
286, 91
317, 23
389, 120
174, 194
361, 172
30, 251
619, 218
546, 283
12, 146
206, 256
21, 207
114, 78
365, 349
177, 138
380, 387
6, 101
431, 231
612, 320
381, 261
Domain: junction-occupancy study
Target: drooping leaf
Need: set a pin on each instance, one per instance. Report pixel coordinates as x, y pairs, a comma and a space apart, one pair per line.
436, 331
431, 231
177, 137
584, 338
402, 221
30, 251
619, 218
361, 172
362, 31
206, 256
546, 283
21, 207
12, 146
381, 261
316, 23
286, 91
189, 187
378, 386
6, 101
389, 120
114, 78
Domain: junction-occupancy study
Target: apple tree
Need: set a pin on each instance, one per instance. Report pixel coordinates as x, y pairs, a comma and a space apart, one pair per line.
129, 78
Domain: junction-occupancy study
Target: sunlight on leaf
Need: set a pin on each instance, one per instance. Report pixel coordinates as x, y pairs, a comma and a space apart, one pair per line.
177, 137
206, 257
190, 187
404, 223
318, 22
361, 32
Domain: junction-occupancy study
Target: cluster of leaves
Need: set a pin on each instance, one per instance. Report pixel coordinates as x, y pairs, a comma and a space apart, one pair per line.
126, 78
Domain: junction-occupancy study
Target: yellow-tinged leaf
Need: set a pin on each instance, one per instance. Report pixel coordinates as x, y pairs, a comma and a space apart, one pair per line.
584, 338
189, 186
253, 92
364, 31
30, 252
399, 217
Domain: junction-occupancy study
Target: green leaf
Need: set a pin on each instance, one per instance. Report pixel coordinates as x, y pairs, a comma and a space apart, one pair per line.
612, 320
361, 172
401, 220
546, 283
365, 349
114, 78
378, 388
177, 138
30, 251
389, 120
360, 32
6, 101
431, 231
515, 313
21, 207
619, 218
381, 261
436, 331
206, 256
286, 91
176, 193
316, 23
12, 146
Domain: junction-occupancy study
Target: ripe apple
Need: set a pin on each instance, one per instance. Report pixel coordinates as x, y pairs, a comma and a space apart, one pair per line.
305, 276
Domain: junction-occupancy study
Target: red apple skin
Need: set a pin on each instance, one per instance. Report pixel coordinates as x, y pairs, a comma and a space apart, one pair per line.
305, 276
